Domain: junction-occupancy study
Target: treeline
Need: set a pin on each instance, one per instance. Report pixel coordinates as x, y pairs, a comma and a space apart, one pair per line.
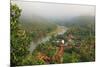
38, 27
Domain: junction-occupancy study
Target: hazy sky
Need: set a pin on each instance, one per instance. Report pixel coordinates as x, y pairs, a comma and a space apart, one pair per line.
53, 10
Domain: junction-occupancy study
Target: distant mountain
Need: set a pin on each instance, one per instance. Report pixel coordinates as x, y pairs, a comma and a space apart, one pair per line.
37, 23
82, 20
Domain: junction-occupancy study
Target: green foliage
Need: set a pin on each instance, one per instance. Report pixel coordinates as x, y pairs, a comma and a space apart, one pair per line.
82, 45
75, 57
67, 58
30, 60
19, 38
46, 48
87, 50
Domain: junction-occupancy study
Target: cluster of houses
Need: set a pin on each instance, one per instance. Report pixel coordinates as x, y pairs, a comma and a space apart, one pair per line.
58, 56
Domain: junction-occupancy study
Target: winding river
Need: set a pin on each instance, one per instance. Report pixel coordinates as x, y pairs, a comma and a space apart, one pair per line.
59, 31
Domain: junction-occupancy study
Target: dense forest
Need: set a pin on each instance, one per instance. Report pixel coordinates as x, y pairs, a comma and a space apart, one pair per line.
66, 42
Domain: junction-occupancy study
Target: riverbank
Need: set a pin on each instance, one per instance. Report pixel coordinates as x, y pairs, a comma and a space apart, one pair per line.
59, 31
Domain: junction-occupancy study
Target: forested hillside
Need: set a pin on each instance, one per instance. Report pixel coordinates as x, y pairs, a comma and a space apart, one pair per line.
46, 41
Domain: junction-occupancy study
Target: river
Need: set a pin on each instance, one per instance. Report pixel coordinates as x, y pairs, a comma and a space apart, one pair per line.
59, 31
